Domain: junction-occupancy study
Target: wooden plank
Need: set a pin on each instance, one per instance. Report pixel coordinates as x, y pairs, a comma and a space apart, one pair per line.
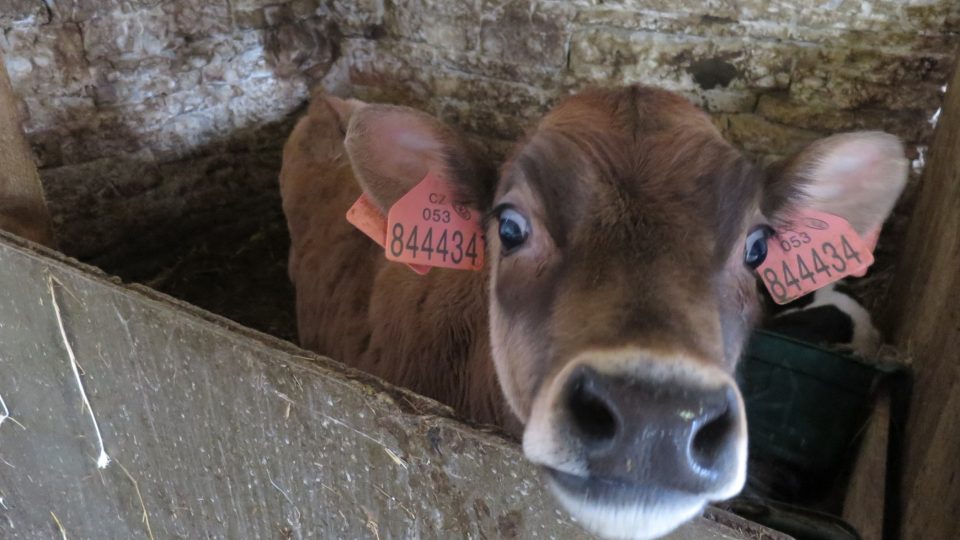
924, 314
863, 504
216, 431
23, 210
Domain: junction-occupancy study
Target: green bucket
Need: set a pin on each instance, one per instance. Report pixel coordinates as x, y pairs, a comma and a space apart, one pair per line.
806, 405
807, 408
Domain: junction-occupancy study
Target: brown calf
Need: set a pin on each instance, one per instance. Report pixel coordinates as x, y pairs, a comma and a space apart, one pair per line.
615, 299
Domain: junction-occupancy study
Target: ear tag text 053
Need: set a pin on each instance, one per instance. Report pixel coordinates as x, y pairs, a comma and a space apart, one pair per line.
426, 226
811, 251
365, 216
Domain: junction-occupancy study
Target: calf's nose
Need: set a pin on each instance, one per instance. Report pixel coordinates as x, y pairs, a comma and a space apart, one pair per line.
662, 433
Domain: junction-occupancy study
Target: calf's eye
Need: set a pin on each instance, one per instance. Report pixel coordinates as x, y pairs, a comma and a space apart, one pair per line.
513, 229
756, 249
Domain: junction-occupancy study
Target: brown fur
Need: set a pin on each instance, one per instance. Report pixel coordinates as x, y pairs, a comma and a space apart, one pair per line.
639, 210
356, 307
429, 333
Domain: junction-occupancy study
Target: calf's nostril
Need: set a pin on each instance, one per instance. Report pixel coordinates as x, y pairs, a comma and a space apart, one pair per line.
712, 438
591, 415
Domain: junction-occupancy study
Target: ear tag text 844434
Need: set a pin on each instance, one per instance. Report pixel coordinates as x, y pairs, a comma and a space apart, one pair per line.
428, 227
424, 228
811, 251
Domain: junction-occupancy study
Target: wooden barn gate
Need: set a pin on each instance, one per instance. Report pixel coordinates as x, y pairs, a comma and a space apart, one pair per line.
215, 431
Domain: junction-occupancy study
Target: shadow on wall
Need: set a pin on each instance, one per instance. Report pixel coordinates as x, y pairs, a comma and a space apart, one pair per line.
119, 102
235, 262
158, 132
207, 229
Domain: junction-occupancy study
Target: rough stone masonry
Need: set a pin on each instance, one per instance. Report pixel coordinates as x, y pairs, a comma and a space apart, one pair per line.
146, 115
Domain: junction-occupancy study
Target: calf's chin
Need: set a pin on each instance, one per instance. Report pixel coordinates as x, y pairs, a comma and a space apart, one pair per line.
626, 512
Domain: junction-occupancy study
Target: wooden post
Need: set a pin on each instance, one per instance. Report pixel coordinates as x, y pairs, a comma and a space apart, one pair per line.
23, 210
865, 501
924, 315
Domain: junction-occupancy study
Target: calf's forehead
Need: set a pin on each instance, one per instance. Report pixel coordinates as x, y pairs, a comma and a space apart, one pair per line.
597, 182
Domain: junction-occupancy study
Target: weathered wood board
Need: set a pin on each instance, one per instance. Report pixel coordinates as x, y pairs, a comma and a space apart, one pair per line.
924, 314
215, 431
863, 505
23, 210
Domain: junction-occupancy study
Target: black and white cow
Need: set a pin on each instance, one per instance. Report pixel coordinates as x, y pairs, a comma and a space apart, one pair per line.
831, 317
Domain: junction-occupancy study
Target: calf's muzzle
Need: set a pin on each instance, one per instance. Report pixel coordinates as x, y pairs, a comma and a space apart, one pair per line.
673, 434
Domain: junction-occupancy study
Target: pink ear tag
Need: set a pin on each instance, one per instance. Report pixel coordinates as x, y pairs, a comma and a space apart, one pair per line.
426, 226
365, 215
811, 251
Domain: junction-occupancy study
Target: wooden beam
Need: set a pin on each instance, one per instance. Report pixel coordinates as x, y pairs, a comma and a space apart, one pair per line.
23, 210
924, 314
864, 502
214, 430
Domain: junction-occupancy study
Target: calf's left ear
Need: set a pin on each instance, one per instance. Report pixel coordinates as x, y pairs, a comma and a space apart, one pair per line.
392, 148
857, 176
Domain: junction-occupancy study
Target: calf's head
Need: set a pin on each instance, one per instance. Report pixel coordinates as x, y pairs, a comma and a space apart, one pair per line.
621, 241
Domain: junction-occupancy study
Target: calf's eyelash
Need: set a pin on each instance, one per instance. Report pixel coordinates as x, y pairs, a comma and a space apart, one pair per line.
494, 214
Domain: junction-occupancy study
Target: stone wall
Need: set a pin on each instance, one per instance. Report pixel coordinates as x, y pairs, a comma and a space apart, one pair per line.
774, 75
145, 113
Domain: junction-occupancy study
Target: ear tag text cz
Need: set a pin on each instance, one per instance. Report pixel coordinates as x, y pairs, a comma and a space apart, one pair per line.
813, 250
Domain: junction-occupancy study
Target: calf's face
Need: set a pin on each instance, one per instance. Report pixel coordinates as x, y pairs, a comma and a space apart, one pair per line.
619, 301
621, 237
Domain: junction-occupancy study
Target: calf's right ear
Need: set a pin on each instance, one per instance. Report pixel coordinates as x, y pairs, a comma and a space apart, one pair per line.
392, 148
322, 105
857, 176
